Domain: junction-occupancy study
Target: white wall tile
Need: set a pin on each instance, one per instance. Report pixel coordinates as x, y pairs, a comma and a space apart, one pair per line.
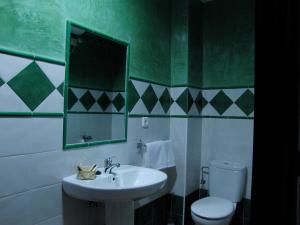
175, 109
140, 86
96, 94
78, 92
45, 202
176, 92
159, 129
208, 110
78, 107
234, 110
10, 101
158, 89
210, 94
178, 135
32, 171
228, 139
194, 92
235, 93
95, 108
53, 103
55, 73
158, 109
139, 108
31, 207
12, 65
30, 135
16, 136
194, 110
193, 158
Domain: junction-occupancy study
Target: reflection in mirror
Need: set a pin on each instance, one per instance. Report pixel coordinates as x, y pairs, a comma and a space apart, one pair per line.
95, 110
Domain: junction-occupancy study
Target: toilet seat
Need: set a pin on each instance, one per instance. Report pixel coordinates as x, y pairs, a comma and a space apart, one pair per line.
212, 208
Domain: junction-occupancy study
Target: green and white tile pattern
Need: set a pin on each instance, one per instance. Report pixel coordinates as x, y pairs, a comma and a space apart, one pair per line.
151, 99
92, 101
148, 99
28, 85
237, 102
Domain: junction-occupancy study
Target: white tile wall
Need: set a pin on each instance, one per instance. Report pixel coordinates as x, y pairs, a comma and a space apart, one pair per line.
178, 135
13, 65
29, 135
31, 207
32, 165
193, 158
228, 139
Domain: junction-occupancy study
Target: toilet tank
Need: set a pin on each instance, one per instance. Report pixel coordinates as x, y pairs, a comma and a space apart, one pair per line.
226, 180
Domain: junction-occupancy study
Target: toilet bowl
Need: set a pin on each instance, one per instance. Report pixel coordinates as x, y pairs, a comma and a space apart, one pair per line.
212, 211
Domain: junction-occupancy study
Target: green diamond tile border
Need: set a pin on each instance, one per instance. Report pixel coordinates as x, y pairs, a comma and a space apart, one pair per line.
31, 85
72, 99
1, 82
221, 102
149, 98
166, 100
60, 89
104, 101
119, 102
87, 100
200, 102
246, 102
185, 100
190, 101
133, 96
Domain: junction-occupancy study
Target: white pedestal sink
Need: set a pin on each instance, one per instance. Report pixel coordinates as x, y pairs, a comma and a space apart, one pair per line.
118, 192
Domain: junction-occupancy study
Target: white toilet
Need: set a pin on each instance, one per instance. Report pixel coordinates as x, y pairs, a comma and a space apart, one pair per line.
226, 184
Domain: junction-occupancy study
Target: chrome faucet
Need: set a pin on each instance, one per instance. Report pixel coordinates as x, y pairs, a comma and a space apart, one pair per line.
108, 165
113, 166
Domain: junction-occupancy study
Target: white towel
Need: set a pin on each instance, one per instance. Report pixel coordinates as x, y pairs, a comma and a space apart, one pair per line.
159, 154
171, 159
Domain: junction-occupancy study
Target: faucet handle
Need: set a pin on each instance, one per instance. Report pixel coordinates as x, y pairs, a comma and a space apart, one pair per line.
108, 161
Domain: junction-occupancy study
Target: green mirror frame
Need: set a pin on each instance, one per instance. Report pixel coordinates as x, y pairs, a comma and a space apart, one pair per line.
67, 54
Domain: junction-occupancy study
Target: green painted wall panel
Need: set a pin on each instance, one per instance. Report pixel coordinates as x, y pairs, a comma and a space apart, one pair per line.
195, 75
38, 27
179, 42
228, 50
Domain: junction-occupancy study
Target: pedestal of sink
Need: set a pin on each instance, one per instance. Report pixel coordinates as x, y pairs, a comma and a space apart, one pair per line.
119, 213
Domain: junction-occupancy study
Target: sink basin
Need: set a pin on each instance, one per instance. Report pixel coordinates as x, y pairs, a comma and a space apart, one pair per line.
129, 183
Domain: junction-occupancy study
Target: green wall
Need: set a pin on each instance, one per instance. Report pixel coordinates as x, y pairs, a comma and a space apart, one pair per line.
195, 71
171, 43
39, 27
228, 43
179, 43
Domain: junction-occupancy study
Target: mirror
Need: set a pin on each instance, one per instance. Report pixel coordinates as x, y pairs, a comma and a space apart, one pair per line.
95, 87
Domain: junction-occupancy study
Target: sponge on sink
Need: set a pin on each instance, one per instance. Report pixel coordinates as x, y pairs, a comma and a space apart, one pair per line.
86, 172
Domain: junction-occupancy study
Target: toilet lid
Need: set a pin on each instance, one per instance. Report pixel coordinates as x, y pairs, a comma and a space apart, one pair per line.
212, 208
